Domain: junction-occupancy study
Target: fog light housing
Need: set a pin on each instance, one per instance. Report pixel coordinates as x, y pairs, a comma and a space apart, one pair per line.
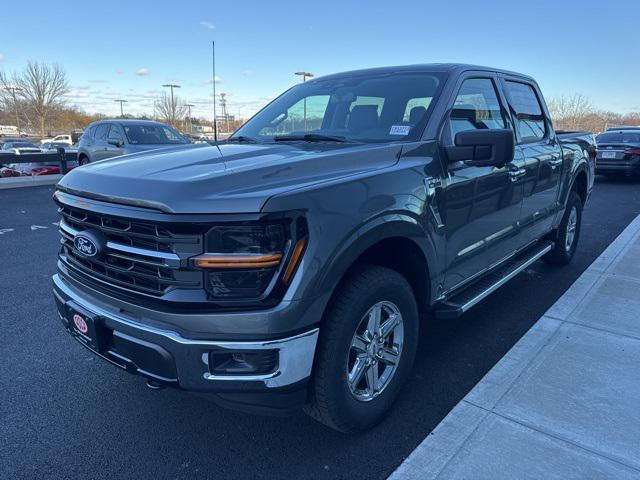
243, 362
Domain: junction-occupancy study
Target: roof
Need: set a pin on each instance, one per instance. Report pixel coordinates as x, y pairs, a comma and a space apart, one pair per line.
424, 67
128, 121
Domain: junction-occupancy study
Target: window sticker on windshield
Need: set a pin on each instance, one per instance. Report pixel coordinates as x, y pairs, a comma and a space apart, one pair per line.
399, 130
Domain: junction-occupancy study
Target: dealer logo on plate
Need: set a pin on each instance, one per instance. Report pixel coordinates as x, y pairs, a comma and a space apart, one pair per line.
80, 323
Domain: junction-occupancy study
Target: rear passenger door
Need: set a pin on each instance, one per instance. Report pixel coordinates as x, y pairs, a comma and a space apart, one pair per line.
482, 204
542, 153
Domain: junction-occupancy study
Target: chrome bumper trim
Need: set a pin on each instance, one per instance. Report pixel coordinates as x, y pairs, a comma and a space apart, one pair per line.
295, 353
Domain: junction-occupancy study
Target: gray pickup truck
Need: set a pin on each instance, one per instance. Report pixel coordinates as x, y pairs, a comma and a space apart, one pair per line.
289, 266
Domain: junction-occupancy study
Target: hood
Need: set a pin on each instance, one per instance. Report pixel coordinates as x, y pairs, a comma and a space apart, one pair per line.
229, 178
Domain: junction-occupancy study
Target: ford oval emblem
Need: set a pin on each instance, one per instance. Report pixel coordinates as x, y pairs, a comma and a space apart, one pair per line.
85, 245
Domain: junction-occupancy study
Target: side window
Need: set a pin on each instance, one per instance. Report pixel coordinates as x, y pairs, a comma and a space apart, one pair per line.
114, 133
101, 131
528, 114
476, 107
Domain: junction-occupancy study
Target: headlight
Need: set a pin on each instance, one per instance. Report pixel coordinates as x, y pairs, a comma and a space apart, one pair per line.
248, 261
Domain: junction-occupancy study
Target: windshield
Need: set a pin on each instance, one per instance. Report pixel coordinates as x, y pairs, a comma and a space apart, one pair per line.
365, 108
153, 135
618, 137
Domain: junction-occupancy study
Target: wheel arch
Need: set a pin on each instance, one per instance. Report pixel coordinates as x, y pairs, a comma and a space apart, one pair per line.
399, 243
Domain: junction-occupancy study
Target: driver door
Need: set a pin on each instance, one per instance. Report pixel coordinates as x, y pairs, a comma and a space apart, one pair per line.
482, 204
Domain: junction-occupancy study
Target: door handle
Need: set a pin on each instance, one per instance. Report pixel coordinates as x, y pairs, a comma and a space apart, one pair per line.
514, 175
555, 163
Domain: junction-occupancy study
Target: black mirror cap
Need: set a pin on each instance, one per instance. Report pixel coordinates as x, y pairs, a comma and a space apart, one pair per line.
483, 148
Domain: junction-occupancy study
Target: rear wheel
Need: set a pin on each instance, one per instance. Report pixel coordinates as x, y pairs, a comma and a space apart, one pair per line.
83, 160
366, 349
568, 233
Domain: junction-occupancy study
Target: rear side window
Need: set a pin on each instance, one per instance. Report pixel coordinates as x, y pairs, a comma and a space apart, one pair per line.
101, 131
92, 131
529, 118
476, 107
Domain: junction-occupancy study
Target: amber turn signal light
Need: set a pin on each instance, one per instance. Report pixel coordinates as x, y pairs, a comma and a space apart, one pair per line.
237, 261
295, 259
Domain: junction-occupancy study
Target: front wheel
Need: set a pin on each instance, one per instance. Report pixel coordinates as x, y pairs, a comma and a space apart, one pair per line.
366, 349
568, 233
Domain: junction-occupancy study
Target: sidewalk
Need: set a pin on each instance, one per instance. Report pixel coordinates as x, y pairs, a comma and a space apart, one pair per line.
565, 401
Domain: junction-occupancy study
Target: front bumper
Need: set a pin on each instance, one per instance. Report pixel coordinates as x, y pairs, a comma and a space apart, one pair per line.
172, 359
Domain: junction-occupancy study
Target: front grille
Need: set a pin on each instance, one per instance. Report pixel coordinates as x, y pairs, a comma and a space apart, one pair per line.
139, 256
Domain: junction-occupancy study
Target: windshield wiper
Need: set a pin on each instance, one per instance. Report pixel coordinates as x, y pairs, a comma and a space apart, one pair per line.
309, 137
242, 139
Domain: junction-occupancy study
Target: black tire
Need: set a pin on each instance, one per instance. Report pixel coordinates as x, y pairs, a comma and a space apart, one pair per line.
332, 401
83, 160
563, 252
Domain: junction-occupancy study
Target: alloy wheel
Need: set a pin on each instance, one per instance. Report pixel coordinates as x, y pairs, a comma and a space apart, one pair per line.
375, 351
572, 225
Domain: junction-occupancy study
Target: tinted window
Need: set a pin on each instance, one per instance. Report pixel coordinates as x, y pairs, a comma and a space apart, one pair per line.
368, 108
142, 134
530, 120
618, 137
101, 131
476, 107
92, 131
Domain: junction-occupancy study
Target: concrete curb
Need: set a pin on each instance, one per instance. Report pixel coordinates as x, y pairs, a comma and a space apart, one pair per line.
454, 447
18, 182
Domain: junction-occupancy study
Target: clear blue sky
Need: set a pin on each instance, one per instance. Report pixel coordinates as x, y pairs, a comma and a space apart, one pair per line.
130, 48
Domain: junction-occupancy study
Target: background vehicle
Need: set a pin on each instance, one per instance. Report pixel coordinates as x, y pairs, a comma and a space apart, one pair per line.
619, 152
287, 266
62, 139
19, 147
9, 130
112, 138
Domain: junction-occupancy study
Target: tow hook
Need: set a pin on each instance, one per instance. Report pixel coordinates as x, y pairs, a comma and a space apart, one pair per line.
153, 385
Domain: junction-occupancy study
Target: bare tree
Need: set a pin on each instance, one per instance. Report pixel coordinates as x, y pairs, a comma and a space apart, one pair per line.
171, 109
41, 89
571, 113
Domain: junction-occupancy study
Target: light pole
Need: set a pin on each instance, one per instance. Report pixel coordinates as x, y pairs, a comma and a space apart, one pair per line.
13, 91
304, 76
189, 105
120, 101
173, 105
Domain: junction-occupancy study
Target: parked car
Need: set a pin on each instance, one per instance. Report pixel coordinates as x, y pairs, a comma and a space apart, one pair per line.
7, 171
619, 152
111, 138
19, 147
62, 139
54, 146
286, 267
37, 169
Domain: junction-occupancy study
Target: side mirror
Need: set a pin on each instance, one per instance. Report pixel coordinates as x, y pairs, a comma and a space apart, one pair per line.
116, 143
483, 148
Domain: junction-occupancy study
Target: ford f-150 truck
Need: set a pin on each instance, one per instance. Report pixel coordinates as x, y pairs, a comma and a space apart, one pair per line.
289, 266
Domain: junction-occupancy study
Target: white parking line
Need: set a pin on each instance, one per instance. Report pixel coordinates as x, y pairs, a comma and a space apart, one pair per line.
5, 230
36, 227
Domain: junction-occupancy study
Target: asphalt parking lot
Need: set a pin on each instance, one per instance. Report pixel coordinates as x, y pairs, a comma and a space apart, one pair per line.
66, 414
